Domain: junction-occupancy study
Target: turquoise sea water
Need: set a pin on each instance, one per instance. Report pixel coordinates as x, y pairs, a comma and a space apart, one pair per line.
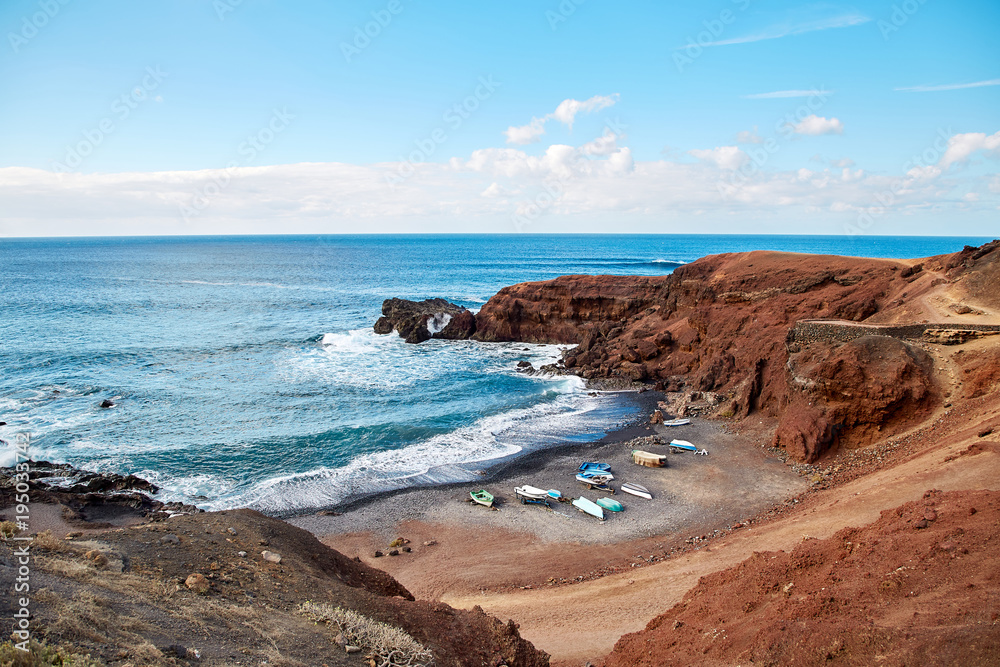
245, 371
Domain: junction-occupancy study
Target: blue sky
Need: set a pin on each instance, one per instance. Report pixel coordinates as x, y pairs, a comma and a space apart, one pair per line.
221, 116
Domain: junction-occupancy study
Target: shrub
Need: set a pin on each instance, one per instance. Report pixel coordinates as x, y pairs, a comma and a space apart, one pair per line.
43, 655
389, 646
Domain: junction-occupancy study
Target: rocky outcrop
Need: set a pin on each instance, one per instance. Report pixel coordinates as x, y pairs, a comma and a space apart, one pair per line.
417, 321
85, 495
566, 309
853, 394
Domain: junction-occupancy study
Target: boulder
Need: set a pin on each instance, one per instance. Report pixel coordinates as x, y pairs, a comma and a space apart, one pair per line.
198, 583
417, 321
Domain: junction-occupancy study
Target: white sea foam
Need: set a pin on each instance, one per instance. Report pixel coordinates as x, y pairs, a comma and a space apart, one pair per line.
438, 322
445, 458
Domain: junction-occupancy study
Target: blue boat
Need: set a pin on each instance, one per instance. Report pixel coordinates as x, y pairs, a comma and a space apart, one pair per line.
591, 466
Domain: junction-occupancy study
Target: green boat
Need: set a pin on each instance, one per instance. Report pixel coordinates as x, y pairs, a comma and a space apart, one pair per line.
483, 497
610, 504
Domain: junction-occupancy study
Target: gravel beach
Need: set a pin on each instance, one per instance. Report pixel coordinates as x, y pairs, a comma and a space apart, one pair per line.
692, 493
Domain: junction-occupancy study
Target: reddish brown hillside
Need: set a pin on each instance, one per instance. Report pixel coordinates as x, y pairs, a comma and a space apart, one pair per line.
919, 586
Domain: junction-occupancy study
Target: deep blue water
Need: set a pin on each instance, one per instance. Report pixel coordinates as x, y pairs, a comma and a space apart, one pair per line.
245, 370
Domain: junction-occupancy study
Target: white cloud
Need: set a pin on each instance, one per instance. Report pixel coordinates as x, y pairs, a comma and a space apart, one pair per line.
949, 86
749, 137
814, 125
565, 113
724, 157
787, 29
962, 146
782, 94
843, 162
598, 181
495, 190
568, 109
603, 145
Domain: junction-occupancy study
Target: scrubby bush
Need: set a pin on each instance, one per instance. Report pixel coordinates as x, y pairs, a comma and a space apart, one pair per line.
389, 646
43, 655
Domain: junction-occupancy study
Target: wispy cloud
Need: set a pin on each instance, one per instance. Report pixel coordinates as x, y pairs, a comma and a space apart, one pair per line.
780, 30
814, 126
949, 86
565, 113
778, 94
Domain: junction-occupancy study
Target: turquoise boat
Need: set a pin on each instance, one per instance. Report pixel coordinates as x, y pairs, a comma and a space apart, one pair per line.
610, 504
483, 497
590, 507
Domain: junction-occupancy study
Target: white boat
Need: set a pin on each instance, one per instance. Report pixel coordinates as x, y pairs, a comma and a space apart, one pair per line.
590, 507
637, 490
677, 422
532, 492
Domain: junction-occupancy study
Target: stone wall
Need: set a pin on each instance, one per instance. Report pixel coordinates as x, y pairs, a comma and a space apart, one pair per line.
810, 331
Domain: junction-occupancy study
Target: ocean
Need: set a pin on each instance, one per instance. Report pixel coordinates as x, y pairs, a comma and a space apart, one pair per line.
245, 372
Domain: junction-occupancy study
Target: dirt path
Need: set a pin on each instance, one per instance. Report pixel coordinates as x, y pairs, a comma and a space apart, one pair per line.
583, 621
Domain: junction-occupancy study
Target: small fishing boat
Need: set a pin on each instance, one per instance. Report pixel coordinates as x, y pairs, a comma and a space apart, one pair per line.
677, 422
590, 507
610, 504
597, 476
531, 495
648, 459
598, 482
591, 466
637, 490
483, 497
555, 494
686, 446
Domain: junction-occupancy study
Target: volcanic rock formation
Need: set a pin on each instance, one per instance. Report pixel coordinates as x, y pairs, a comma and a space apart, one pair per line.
728, 324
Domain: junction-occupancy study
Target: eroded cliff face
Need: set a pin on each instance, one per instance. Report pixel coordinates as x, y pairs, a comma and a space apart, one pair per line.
722, 323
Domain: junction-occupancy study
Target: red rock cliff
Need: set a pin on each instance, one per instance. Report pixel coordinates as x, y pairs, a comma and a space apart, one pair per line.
722, 324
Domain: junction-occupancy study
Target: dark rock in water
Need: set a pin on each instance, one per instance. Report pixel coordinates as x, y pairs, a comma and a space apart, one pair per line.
89, 497
107, 403
524, 364
3, 423
461, 326
417, 321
